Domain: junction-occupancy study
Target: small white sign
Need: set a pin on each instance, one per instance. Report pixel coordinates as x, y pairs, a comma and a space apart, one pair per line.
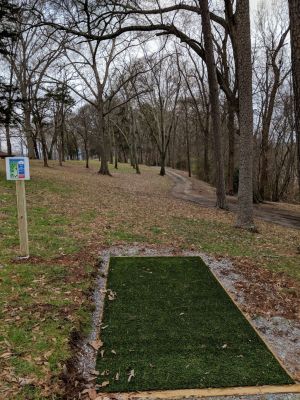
17, 168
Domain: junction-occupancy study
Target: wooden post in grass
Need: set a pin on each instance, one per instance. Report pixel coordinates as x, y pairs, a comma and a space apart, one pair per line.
22, 218
17, 169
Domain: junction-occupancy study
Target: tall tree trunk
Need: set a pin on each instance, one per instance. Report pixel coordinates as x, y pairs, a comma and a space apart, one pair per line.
116, 151
135, 156
87, 154
136, 161
28, 133
59, 149
36, 148
104, 170
131, 156
124, 154
265, 191
44, 148
173, 163
116, 157
245, 193
62, 141
187, 134
215, 104
8, 141
111, 155
206, 167
264, 173
294, 6
54, 140
163, 151
231, 149
188, 155
162, 171
141, 158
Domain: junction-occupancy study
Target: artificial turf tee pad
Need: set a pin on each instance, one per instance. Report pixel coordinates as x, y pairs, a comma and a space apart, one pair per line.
173, 326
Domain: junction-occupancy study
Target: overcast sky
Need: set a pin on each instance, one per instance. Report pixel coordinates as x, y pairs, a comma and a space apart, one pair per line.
253, 4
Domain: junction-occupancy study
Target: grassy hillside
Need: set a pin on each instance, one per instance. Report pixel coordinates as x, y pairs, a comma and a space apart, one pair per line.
73, 213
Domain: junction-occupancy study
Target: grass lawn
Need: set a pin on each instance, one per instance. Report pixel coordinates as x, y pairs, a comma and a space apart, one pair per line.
174, 325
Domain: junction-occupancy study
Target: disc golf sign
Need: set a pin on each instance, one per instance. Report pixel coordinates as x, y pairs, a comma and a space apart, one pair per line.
17, 169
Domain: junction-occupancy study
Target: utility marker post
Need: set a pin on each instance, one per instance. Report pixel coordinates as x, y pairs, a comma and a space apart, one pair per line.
17, 169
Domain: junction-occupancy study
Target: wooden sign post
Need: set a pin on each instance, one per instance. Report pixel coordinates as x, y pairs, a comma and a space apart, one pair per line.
17, 169
22, 218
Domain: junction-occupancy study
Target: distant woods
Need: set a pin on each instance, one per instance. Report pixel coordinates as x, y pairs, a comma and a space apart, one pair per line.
123, 82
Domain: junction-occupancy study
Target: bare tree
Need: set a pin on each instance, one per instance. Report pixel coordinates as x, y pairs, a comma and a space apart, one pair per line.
161, 85
215, 104
245, 194
271, 71
294, 7
34, 52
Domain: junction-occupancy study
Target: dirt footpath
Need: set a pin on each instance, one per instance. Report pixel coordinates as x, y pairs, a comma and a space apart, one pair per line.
202, 193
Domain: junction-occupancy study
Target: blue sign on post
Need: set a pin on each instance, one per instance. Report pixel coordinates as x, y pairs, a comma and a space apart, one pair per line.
17, 168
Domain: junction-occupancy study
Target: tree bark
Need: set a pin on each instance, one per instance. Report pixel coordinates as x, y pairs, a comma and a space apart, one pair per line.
44, 148
8, 141
215, 104
116, 157
245, 193
104, 170
59, 154
188, 155
265, 191
87, 154
116, 150
162, 171
206, 166
135, 156
294, 7
231, 149
62, 138
28, 133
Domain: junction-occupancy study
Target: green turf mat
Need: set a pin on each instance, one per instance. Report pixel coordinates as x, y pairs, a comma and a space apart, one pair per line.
175, 326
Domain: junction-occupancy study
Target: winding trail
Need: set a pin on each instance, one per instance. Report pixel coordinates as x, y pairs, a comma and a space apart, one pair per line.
203, 194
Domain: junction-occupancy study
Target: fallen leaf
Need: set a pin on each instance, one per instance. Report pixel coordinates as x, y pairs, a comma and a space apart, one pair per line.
6, 355
25, 381
224, 346
131, 375
111, 295
105, 372
48, 354
105, 383
114, 352
94, 372
96, 344
91, 393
